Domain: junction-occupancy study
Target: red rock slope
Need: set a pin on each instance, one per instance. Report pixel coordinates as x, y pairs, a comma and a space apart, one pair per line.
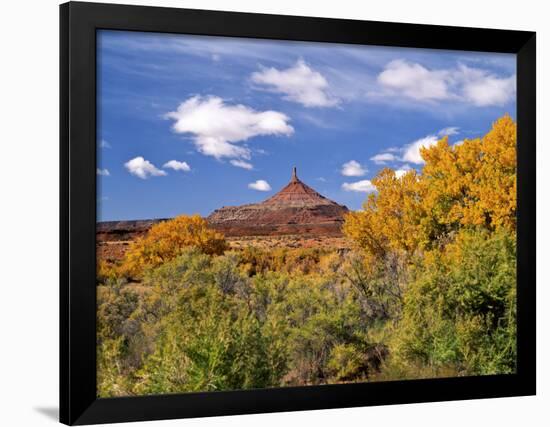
296, 209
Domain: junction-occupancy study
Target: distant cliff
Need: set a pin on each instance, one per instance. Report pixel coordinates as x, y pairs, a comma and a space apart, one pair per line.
124, 230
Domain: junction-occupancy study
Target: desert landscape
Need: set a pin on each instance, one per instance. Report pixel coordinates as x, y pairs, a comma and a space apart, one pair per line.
296, 217
275, 214
299, 290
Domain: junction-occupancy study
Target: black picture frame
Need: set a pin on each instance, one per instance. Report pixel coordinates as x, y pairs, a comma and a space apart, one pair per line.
78, 25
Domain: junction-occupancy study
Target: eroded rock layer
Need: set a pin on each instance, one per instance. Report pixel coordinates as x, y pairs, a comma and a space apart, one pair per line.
296, 209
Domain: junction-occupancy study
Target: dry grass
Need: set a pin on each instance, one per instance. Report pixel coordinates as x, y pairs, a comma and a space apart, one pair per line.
289, 241
114, 251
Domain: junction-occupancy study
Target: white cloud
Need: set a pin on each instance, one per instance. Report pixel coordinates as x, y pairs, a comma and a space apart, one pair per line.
103, 172
484, 89
364, 186
104, 144
353, 168
383, 158
260, 185
448, 131
177, 166
299, 83
414, 81
471, 85
142, 168
412, 150
242, 164
216, 127
402, 171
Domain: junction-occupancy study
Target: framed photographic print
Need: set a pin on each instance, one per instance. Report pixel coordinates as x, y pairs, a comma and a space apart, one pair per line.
268, 213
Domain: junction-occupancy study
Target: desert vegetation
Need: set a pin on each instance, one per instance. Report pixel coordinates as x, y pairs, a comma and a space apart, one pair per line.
428, 289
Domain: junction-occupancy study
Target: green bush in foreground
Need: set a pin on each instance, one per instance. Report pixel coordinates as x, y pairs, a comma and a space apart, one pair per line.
459, 312
199, 322
203, 323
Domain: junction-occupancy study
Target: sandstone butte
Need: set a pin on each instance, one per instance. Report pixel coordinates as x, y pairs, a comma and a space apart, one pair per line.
297, 209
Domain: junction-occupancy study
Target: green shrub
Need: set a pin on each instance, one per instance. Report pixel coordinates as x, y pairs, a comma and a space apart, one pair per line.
460, 310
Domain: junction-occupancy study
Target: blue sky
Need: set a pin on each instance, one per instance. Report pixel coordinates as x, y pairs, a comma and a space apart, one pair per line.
187, 124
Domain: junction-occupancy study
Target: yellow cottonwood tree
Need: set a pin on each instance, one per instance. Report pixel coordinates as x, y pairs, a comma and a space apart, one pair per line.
165, 241
472, 184
390, 220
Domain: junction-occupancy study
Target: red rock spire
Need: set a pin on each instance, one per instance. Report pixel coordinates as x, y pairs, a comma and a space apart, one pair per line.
297, 193
295, 209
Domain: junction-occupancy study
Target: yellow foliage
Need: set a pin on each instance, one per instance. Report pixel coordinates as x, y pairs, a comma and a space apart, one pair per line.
390, 220
474, 184
106, 270
468, 185
167, 239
